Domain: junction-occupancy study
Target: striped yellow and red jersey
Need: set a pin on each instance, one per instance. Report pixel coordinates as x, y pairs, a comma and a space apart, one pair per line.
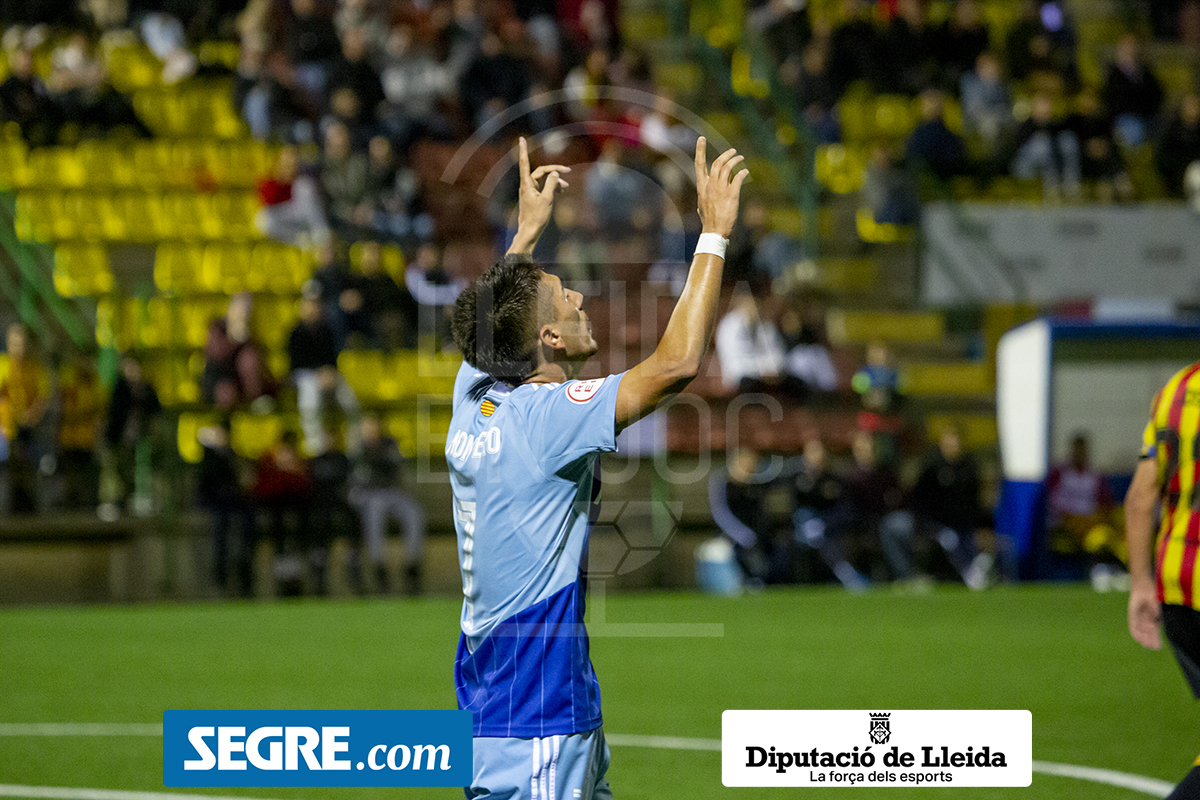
1172, 437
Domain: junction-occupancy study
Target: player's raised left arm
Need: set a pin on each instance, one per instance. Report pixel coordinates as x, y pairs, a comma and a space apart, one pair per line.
534, 204
1144, 611
676, 360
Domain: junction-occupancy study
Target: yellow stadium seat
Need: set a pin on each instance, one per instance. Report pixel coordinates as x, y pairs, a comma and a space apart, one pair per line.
854, 115
197, 316
82, 269
37, 214
362, 369
840, 168
284, 269
402, 428
51, 167
138, 217
233, 214
152, 163
189, 215
226, 268
107, 164
156, 326
177, 267
190, 449
894, 116
14, 172
403, 364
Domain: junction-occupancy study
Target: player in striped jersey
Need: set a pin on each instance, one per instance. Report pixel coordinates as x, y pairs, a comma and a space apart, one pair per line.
524, 438
1165, 581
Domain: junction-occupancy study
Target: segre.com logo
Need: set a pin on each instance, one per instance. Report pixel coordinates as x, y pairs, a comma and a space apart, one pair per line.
316, 748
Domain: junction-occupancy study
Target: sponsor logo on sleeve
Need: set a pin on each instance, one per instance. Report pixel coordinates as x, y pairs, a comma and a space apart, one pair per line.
583, 391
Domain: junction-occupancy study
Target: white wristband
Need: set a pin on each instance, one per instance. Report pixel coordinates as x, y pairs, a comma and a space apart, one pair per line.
713, 244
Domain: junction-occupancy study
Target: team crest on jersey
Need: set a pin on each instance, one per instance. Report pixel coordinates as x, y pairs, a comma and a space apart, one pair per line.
583, 391
488, 408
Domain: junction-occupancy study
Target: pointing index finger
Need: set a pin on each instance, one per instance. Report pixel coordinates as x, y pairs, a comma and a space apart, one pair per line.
523, 157
701, 159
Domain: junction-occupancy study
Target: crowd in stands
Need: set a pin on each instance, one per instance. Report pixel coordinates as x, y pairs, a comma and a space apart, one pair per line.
1026, 112
859, 521
349, 91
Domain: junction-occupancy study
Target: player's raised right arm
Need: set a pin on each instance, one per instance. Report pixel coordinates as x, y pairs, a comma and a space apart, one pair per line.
676, 360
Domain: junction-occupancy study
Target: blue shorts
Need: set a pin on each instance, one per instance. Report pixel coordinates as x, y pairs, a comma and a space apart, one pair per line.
565, 767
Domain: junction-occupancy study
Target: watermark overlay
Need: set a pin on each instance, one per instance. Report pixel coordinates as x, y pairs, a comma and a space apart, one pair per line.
877, 748
317, 748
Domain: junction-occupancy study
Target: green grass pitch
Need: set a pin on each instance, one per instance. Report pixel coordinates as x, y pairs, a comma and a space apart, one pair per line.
1097, 699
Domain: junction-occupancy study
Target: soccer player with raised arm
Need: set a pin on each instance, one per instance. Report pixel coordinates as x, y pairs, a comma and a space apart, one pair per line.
522, 449
1165, 572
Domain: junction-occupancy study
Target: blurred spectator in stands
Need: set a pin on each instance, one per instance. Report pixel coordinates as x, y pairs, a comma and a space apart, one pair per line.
783, 24
134, 411
659, 131
581, 85
291, 203
1099, 157
590, 24
311, 42
221, 493
378, 492
435, 291
1083, 517
335, 288
352, 70
333, 516
1179, 145
312, 353
737, 496
79, 85
415, 83
81, 411
24, 400
986, 102
621, 197
282, 493
759, 254
1042, 44
816, 93
265, 101
235, 365
932, 148
369, 17
749, 347
873, 502
1132, 92
816, 493
1047, 149
878, 382
807, 367
855, 48
945, 501
344, 181
888, 190
164, 35
389, 309
962, 39
25, 100
496, 79
392, 193
910, 49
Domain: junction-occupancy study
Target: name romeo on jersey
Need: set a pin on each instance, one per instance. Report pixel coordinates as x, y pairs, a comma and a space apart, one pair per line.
464, 445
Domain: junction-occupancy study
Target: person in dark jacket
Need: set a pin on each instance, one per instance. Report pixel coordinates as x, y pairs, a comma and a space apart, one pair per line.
380, 497
816, 493
737, 496
873, 503
129, 431
1179, 145
1132, 92
945, 500
313, 352
932, 147
221, 493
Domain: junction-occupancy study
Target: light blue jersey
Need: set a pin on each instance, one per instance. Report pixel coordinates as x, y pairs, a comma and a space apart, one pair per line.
521, 467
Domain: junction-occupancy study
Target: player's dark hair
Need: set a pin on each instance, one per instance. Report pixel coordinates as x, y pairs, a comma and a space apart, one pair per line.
495, 320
